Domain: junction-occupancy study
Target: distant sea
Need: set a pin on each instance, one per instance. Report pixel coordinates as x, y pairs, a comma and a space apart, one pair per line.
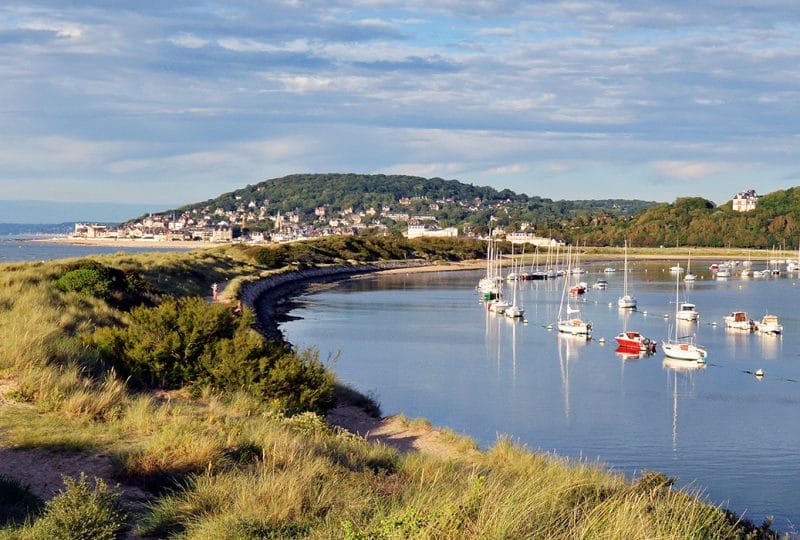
15, 248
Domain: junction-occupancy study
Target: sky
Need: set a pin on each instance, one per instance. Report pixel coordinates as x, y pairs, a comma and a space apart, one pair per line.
171, 102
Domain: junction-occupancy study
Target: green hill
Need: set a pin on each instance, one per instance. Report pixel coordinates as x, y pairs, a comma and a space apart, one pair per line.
387, 201
695, 221
450, 201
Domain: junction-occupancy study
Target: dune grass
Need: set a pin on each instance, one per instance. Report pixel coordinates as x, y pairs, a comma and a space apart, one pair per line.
226, 464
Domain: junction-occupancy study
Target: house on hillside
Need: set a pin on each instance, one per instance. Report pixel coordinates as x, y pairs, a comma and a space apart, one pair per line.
417, 230
745, 201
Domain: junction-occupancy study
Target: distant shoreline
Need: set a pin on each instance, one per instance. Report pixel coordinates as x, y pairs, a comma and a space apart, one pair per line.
126, 242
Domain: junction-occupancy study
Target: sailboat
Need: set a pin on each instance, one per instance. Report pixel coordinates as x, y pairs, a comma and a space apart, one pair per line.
514, 311
678, 349
489, 285
689, 276
626, 301
794, 266
631, 342
572, 323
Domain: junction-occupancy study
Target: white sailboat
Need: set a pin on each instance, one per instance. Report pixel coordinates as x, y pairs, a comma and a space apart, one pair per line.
514, 311
689, 276
572, 323
626, 301
678, 348
489, 285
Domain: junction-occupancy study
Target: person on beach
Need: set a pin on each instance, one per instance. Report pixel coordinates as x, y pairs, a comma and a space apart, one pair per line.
214, 288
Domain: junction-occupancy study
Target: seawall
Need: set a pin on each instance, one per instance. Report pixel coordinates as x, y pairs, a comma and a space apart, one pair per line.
268, 297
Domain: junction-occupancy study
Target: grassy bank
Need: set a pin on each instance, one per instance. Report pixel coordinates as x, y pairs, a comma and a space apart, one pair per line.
219, 456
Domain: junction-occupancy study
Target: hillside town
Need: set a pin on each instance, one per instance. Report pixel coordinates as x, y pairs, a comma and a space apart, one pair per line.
259, 221
252, 223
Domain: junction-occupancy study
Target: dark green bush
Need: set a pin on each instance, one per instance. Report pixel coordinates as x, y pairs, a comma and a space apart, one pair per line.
122, 289
80, 511
273, 256
89, 281
187, 342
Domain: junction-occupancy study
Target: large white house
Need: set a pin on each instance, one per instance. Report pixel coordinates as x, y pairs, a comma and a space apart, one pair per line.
415, 231
745, 201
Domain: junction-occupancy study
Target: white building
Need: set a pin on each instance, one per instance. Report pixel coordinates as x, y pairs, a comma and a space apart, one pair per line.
530, 238
745, 201
415, 231
83, 230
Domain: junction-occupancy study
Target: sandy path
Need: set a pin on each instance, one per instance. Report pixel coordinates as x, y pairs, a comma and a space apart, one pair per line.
394, 432
42, 471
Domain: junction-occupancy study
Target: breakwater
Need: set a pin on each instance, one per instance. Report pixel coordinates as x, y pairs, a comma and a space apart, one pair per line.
268, 297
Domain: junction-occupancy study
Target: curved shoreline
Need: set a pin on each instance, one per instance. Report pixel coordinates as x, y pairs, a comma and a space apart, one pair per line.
271, 298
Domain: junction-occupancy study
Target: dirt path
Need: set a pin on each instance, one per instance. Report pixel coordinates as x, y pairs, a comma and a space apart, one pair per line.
398, 433
43, 471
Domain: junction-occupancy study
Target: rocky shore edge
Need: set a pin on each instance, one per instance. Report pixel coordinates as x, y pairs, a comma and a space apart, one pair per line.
270, 298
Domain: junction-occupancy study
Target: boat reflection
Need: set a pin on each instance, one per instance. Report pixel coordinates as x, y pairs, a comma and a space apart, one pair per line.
568, 347
771, 345
629, 355
683, 374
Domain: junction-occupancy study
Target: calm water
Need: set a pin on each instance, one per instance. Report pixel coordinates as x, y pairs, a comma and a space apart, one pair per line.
425, 347
14, 249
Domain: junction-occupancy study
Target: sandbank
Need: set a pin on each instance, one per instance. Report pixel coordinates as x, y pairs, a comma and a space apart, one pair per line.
128, 242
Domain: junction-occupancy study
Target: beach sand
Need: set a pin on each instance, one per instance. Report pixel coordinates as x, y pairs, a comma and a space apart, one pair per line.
125, 242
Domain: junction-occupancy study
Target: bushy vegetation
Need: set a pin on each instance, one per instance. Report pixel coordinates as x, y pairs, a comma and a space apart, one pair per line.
347, 249
694, 221
79, 511
92, 278
186, 342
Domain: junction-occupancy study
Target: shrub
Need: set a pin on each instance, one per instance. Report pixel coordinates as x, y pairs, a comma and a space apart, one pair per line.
90, 281
187, 342
79, 511
90, 278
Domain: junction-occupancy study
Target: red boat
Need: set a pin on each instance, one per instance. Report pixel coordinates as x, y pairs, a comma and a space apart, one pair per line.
580, 288
635, 342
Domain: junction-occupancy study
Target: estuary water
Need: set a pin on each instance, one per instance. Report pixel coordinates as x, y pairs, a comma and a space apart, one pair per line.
18, 249
425, 346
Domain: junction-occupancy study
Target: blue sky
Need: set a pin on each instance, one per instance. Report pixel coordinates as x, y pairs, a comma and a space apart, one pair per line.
167, 103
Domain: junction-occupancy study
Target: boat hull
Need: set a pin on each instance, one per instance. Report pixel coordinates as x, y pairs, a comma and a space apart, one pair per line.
575, 327
635, 342
683, 351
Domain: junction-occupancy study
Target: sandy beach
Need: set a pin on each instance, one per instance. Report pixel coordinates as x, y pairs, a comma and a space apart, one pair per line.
127, 242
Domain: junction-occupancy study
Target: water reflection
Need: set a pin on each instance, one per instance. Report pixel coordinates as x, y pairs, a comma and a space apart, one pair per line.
683, 372
568, 348
771, 345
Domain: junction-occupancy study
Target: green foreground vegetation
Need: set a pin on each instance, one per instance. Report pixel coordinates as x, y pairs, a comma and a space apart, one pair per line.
225, 434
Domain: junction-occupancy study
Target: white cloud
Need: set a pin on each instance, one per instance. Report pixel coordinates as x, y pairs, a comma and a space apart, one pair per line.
303, 84
188, 41
505, 170
60, 29
691, 171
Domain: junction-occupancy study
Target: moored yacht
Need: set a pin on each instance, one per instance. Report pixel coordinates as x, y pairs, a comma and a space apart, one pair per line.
627, 300
679, 348
739, 321
634, 341
687, 312
769, 324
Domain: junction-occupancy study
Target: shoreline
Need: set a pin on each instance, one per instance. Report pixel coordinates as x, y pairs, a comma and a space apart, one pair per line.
590, 253
127, 242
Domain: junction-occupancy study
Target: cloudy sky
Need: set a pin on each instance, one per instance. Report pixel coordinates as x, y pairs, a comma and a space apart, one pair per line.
171, 102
